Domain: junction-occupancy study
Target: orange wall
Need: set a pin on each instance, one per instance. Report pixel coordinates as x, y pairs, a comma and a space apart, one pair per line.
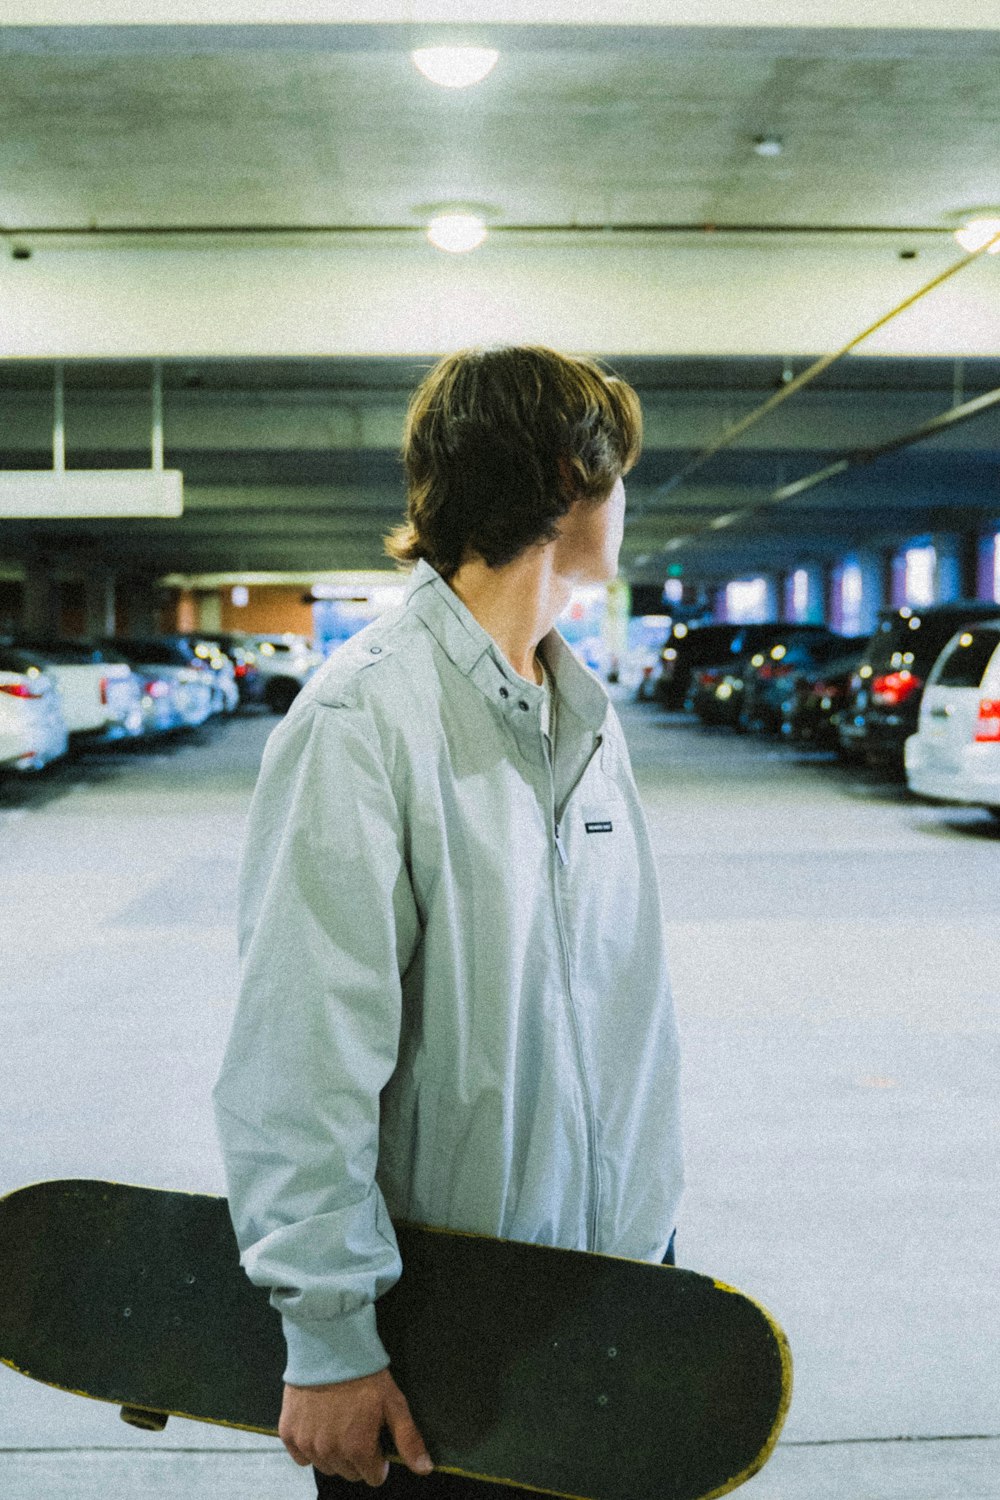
272, 610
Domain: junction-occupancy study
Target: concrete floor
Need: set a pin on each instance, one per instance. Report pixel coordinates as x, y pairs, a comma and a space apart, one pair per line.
836, 955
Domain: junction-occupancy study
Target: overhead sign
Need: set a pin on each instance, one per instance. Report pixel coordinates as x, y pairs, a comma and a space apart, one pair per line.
75, 494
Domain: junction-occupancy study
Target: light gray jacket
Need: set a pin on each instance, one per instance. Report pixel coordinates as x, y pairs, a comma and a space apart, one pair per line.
454, 1005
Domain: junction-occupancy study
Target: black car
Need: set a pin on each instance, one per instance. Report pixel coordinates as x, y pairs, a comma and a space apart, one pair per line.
690, 648
718, 690
811, 714
883, 704
773, 672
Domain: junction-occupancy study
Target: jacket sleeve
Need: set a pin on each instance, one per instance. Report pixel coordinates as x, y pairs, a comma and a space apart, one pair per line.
327, 925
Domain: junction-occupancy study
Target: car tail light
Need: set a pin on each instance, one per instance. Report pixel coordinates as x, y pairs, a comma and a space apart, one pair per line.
156, 688
767, 673
988, 723
240, 669
20, 690
894, 688
104, 692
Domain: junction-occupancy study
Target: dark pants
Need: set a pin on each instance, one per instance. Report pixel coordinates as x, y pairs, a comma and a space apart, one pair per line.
402, 1485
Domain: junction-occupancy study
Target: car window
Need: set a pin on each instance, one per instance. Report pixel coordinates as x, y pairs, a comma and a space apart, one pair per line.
966, 662
155, 653
63, 653
19, 661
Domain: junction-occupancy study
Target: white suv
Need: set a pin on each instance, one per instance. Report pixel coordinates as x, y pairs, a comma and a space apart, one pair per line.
285, 662
955, 754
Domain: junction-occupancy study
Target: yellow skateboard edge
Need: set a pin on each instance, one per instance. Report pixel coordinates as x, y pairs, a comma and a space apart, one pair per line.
754, 1467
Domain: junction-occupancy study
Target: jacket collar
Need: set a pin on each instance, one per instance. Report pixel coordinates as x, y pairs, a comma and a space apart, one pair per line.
474, 652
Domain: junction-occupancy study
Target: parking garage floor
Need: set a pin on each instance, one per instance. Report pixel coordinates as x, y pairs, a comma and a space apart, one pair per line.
836, 957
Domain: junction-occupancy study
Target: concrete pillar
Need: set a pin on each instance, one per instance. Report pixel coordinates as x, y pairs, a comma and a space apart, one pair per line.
804, 592
988, 565
100, 602
856, 593
140, 612
948, 568
40, 602
209, 611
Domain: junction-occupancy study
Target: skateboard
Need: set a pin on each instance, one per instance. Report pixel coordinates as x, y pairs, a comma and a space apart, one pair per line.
571, 1374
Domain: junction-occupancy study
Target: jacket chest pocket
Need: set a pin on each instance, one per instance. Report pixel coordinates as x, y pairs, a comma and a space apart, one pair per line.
601, 837
601, 870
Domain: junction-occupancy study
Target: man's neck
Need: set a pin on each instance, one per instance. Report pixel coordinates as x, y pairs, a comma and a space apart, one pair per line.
517, 604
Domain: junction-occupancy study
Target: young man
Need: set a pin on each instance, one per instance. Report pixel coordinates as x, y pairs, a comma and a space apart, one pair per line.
454, 1004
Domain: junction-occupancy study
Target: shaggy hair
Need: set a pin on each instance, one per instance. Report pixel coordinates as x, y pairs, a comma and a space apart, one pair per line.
499, 443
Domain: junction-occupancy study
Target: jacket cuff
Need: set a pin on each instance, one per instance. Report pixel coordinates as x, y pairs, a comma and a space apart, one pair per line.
327, 1351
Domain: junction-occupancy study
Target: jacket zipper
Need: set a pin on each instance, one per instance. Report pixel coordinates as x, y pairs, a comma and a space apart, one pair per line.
588, 1098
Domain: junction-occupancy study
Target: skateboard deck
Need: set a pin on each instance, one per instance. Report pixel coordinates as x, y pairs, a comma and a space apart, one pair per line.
571, 1374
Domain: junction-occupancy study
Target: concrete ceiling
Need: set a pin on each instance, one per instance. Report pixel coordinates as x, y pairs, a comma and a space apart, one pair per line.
146, 172
616, 128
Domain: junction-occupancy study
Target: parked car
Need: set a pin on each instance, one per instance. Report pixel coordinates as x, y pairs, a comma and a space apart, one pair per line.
883, 704
100, 696
955, 754
246, 673
686, 649
32, 728
771, 675
690, 648
718, 694
177, 694
713, 694
285, 662
811, 714
205, 651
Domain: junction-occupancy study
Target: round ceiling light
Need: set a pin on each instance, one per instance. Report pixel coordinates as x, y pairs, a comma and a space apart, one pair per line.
977, 233
456, 232
455, 67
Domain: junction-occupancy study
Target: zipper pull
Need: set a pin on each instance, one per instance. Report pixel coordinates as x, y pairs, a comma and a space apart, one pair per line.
561, 848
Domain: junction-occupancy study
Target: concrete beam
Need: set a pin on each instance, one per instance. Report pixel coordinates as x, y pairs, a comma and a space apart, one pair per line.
706, 293
942, 15
319, 421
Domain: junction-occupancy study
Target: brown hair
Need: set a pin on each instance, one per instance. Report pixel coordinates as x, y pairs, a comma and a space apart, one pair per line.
498, 445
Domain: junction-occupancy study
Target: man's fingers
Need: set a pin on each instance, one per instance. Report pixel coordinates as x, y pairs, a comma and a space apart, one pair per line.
296, 1454
409, 1444
375, 1472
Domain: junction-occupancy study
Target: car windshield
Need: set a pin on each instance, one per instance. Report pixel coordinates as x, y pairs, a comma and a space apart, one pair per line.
66, 653
155, 653
19, 661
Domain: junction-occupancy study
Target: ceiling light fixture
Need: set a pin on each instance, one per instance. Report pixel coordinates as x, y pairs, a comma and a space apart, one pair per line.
456, 232
455, 67
977, 233
768, 145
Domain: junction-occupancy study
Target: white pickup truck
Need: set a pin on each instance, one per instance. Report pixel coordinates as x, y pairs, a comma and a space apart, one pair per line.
100, 694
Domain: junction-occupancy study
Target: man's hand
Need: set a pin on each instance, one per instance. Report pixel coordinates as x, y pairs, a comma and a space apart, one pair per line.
337, 1427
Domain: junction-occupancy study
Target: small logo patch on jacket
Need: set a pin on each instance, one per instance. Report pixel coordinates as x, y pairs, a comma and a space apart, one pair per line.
599, 827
